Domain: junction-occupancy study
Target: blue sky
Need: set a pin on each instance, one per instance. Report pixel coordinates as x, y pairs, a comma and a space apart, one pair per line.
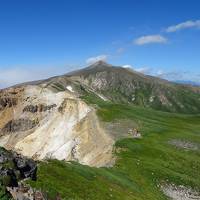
42, 38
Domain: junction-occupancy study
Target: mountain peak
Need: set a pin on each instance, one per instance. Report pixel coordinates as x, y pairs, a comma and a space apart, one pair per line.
100, 63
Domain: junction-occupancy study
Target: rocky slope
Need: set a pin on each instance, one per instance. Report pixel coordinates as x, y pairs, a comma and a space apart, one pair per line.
122, 85
14, 168
43, 122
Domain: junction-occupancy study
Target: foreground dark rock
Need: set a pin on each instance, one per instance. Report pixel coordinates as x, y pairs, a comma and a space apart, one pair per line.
24, 192
15, 168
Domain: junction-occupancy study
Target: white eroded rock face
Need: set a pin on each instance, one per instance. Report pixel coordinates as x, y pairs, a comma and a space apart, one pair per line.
45, 124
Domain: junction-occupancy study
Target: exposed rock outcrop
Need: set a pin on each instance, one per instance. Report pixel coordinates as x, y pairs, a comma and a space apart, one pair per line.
14, 168
38, 108
24, 192
19, 125
48, 123
7, 102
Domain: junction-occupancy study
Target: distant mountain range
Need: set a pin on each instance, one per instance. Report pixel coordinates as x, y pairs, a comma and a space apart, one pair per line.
193, 83
123, 85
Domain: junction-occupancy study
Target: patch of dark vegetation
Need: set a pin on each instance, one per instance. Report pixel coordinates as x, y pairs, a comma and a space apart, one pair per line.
19, 125
58, 86
38, 108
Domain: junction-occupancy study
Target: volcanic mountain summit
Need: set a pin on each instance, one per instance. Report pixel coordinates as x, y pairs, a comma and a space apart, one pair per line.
122, 85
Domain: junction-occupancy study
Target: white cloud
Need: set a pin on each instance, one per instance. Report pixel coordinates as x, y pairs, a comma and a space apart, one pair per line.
184, 25
150, 39
96, 59
160, 73
120, 50
144, 70
127, 66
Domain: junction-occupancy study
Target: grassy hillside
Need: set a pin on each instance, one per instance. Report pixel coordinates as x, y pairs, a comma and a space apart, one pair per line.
142, 164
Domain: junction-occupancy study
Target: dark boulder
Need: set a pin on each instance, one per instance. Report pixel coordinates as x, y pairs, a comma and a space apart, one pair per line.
8, 177
14, 168
27, 167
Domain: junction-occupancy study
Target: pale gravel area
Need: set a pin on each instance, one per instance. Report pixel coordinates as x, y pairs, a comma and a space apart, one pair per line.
180, 192
183, 144
120, 128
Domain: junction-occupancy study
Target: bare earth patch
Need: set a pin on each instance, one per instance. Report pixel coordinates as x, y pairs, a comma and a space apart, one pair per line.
180, 192
183, 144
122, 128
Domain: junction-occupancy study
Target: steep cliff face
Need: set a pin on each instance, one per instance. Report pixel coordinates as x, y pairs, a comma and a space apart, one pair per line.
40, 123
